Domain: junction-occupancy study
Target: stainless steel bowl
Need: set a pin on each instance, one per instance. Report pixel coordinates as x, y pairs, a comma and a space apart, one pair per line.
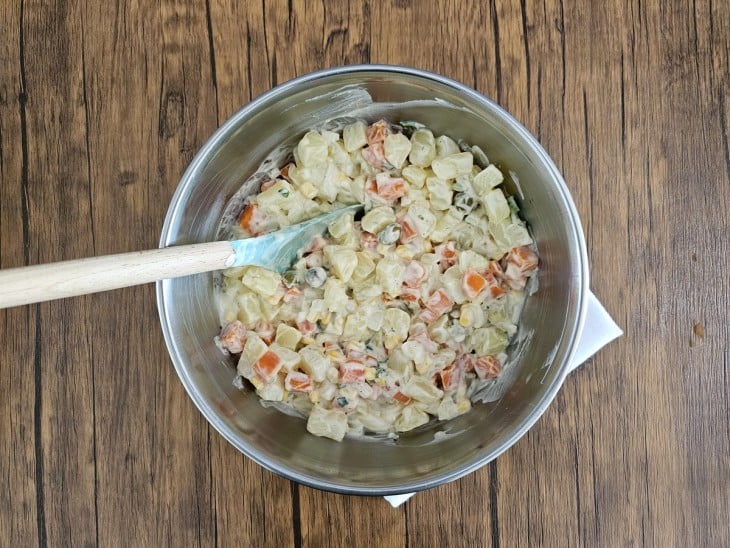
551, 321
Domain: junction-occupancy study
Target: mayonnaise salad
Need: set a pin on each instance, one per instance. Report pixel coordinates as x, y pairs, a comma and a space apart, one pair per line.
394, 316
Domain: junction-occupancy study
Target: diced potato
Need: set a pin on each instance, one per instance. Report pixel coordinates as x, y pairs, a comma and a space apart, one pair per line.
287, 336
365, 267
341, 226
395, 327
354, 136
410, 418
487, 179
312, 149
471, 315
423, 148
416, 176
446, 146
450, 167
314, 363
355, 329
389, 275
328, 423
488, 341
342, 260
249, 308
473, 260
439, 193
335, 295
421, 389
399, 363
261, 280
342, 159
423, 218
331, 182
396, 148
444, 225
496, 206
273, 391
452, 280
377, 218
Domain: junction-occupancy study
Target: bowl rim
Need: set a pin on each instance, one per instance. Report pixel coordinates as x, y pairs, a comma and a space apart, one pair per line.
582, 281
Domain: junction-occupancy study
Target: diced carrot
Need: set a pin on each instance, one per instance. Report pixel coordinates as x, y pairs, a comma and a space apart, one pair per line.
296, 381
359, 355
246, 216
266, 185
473, 283
449, 377
292, 294
410, 294
446, 250
306, 328
233, 336
267, 366
314, 259
391, 188
414, 274
496, 269
487, 367
352, 371
317, 244
429, 316
377, 132
374, 155
333, 351
493, 285
439, 302
523, 257
400, 397
265, 330
421, 337
521, 262
465, 362
251, 219
371, 186
408, 229
284, 171
447, 255
368, 240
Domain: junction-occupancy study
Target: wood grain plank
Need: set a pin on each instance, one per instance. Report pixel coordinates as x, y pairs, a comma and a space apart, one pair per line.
56, 189
101, 109
329, 519
154, 477
20, 500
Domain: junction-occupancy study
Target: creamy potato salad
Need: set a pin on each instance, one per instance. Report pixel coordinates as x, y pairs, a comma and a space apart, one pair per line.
395, 315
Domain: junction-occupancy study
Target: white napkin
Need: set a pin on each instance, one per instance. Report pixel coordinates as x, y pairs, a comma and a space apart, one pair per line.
598, 331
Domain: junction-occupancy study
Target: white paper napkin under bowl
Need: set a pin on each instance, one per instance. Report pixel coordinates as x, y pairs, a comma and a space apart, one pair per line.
598, 331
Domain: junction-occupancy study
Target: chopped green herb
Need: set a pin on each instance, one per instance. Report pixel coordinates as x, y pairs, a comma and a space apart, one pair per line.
514, 208
409, 126
284, 192
342, 401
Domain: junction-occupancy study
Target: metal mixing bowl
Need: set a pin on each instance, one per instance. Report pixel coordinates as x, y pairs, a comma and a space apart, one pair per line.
549, 329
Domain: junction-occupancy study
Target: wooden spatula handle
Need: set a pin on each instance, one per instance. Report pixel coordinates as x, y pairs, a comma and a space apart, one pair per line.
45, 282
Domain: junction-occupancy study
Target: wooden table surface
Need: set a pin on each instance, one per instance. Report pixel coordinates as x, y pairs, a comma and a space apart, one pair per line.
103, 105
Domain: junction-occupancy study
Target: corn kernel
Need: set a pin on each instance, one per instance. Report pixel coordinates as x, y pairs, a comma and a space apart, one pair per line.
404, 252
308, 190
314, 396
463, 406
256, 381
370, 373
